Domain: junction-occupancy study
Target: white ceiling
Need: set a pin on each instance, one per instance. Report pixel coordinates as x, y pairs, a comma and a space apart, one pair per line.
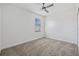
36, 7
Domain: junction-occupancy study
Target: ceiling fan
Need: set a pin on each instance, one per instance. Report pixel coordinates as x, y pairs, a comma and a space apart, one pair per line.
45, 7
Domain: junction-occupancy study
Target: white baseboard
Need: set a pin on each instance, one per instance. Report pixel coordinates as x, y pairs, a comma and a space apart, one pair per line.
61, 40
12, 45
15, 44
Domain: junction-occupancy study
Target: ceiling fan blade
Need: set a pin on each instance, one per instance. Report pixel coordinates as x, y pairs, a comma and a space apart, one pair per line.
49, 5
46, 11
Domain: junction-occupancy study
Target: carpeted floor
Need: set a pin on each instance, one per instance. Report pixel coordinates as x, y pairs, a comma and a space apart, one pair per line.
42, 47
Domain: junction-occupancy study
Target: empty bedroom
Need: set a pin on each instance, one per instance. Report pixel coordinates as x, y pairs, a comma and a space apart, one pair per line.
39, 29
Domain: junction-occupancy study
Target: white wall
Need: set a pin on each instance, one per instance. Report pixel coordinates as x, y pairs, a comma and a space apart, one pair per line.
18, 26
0, 27
78, 26
62, 24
